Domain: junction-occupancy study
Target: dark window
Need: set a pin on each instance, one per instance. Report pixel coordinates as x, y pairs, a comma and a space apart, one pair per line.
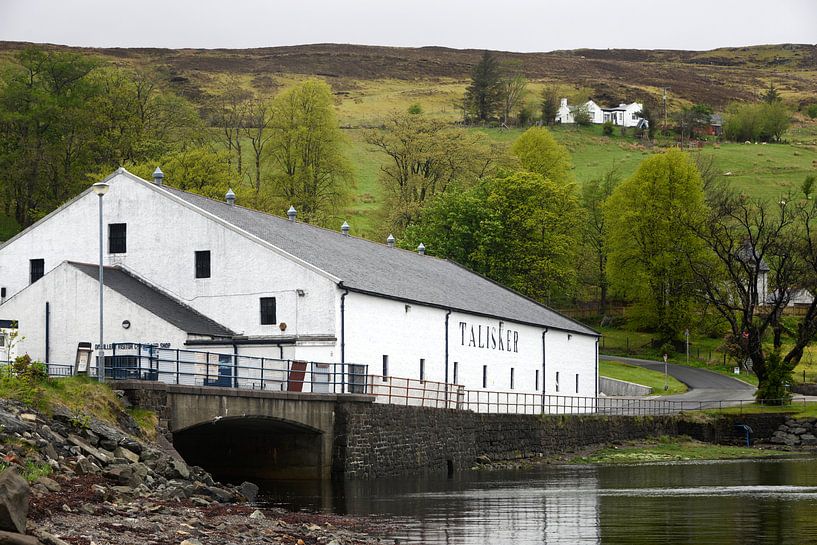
577, 383
117, 238
511, 378
484, 376
557, 381
422, 369
537, 380
268, 311
36, 269
3, 292
385, 367
456, 371
203, 264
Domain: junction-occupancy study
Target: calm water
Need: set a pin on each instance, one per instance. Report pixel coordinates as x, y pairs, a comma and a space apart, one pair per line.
724, 503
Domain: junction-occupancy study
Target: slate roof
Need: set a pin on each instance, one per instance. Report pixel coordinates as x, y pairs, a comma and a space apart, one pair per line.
369, 267
162, 305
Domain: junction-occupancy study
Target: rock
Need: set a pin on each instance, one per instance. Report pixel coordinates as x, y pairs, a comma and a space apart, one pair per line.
191, 541
122, 452
808, 440
88, 449
131, 445
119, 473
176, 469
86, 467
28, 417
50, 484
11, 424
219, 494
14, 493
483, 459
257, 515
248, 490
198, 500
51, 452
48, 539
8, 538
798, 431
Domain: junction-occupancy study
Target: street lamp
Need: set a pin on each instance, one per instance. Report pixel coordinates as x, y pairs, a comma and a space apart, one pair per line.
100, 188
666, 375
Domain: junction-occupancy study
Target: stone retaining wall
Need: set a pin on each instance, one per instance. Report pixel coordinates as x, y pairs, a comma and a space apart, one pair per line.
806, 388
387, 440
615, 387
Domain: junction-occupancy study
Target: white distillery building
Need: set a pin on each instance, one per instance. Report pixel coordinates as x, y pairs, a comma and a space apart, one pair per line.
184, 272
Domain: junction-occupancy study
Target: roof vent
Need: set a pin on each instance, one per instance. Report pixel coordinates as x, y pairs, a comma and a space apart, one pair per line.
158, 176
345, 229
390, 241
291, 213
230, 196
421, 249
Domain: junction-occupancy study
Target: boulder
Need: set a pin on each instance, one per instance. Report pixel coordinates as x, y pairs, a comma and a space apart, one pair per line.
88, 449
808, 440
9, 538
131, 445
219, 494
248, 490
127, 454
50, 484
11, 424
14, 493
176, 469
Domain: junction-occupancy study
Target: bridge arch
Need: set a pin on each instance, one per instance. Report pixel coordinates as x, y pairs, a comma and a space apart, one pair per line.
253, 447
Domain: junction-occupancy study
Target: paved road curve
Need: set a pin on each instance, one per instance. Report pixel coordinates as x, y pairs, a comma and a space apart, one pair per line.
703, 385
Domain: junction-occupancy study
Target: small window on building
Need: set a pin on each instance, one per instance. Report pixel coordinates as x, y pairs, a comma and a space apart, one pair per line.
203, 264
484, 376
117, 238
537, 381
36, 269
422, 369
385, 368
577, 383
557, 381
511, 378
456, 372
2, 293
268, 311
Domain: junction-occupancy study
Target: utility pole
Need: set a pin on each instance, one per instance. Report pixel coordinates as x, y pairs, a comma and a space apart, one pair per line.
664, 99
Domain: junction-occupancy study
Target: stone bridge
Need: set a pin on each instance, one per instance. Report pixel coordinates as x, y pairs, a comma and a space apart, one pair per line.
237, 433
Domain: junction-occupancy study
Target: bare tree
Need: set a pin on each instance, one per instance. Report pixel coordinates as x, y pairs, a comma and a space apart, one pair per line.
257, 120
513, 91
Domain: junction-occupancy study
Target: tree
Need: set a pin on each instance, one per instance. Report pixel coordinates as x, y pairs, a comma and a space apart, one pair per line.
759, 122
257, 120
521, 230
593, 270
199, 170
647, 240
425, 156
581, 115
513, 90
771, 95
550, 105
483, 96
228, 115
759, 254
539, 152
691, 119
305, 147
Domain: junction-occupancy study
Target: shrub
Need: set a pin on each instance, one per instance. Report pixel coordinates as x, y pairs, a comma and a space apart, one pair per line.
811, 111
30, 371
774, 389
607, 128
760, 122
415, 109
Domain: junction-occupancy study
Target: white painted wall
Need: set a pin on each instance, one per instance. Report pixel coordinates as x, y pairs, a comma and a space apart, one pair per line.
406, 332
162, 236
74, 317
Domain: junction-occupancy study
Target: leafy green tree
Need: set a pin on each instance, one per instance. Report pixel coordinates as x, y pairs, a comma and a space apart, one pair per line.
521, 230
581, 116
196, 169
692, 118
513, 91
425, 157
539, 152
771, 95
758, 122
309, 169
811, 111
648, 241
593, 266
483, 96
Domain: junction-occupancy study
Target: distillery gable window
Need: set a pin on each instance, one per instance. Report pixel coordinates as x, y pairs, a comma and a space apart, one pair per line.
385, 367
268, 311
456, 372
203, 264
537, 381
117, 238
422, 369
511, 378
36, 269
557, 381
484, 376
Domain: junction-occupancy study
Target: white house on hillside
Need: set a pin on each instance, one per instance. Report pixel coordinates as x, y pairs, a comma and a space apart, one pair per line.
626, 115
184, 272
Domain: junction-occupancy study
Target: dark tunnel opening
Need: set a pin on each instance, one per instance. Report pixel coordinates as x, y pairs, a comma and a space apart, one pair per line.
256, 448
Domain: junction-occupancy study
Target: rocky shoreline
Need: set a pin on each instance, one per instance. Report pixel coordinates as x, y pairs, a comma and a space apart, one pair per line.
94, 483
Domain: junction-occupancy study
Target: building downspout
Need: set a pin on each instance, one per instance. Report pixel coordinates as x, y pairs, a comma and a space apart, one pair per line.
447, 315
235, 365
544, 362
597, 370
47, 331
343, 339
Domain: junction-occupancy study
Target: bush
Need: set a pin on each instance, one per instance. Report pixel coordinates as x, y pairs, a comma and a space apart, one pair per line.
415, 109
607, 128
760, 122
774, 389
30, 371
811, 111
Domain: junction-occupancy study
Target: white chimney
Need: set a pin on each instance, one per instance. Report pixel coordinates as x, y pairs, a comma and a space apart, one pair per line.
291, 213
390, 241
421, 249
563, 103
345, 229
158, 176
230, 197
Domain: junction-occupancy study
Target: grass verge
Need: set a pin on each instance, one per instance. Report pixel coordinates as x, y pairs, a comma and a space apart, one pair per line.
639, 375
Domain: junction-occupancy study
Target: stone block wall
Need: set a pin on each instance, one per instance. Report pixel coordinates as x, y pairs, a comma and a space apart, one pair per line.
386, 440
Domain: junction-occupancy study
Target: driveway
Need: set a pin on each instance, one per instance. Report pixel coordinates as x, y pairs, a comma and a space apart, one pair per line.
704, 386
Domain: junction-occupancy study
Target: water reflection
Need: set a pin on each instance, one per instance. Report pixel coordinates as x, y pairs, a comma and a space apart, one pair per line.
746, 503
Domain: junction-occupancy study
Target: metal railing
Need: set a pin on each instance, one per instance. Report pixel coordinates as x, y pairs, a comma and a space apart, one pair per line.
52, 369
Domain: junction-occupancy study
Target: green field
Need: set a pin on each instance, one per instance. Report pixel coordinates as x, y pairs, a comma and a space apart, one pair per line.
639, 375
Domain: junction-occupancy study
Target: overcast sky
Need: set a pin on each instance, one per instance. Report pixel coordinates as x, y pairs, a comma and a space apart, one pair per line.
511, 25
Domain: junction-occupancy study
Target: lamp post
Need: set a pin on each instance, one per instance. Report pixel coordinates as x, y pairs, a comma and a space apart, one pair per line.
100, 189
666, 374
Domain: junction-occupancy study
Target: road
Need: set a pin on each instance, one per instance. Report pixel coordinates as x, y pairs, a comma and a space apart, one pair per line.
703, 385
